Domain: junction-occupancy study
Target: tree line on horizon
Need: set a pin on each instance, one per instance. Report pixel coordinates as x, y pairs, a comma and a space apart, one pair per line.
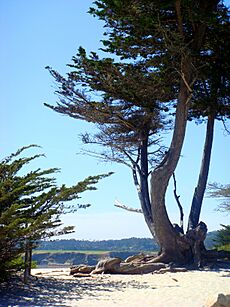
128, 244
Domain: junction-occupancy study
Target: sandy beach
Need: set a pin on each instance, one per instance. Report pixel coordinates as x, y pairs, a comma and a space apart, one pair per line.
55, 287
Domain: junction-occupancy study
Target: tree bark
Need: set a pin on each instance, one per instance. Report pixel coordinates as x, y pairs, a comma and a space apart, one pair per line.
160, 177
142, 184
26, 262
30, 258
203, 176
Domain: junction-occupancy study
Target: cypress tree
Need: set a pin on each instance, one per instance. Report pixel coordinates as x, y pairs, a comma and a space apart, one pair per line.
31, 206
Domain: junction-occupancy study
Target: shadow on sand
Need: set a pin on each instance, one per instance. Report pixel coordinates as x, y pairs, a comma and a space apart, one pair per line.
51, 291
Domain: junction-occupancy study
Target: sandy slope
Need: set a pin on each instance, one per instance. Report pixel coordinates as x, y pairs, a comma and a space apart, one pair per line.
54, 287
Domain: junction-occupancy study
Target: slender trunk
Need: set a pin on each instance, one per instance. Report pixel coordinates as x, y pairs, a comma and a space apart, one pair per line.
30, 259
203, 176
143, 186
26, 262
145, 205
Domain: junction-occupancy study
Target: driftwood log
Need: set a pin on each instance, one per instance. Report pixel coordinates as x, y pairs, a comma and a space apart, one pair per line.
138, 264
82, 269
141, 264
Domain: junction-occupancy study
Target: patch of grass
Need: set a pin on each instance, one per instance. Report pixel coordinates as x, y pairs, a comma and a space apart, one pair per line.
224, 248
60, 251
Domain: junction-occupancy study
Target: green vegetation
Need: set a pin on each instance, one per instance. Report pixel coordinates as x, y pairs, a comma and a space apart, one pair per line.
31, 206
131, 245
222, 239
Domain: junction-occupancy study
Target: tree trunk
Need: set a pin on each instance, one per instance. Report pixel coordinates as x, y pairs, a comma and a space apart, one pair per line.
146, 204
142, 184
175, 246
30, 258
26, 262
144, 187
203, 177
160, 177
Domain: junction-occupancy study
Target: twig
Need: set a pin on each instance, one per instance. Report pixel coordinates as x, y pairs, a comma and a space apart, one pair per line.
225, 127
186, 83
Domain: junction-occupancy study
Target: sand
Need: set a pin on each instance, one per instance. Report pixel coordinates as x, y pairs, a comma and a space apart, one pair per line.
55, 287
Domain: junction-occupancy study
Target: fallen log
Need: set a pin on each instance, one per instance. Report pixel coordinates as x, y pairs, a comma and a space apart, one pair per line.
82, 268
108, 265
142, 264
135, 258
116, 266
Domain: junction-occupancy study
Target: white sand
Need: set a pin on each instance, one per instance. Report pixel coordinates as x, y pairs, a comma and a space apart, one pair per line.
55, 287
170, 289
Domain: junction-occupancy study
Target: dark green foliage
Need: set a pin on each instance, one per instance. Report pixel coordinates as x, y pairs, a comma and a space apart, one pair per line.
130, 101
30, 207
223, 238
161, 33
121, 99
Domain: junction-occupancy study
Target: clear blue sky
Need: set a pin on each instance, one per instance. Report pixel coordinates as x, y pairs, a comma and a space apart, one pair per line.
35, 34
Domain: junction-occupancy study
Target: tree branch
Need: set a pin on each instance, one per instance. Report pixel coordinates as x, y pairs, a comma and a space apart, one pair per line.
179, 17
120, 205
178, 203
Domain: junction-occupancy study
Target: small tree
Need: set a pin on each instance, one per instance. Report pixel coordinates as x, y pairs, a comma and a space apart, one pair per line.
30, 209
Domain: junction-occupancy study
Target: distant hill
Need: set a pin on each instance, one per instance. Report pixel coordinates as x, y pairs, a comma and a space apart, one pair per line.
74, 252
131, 245
127, 245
